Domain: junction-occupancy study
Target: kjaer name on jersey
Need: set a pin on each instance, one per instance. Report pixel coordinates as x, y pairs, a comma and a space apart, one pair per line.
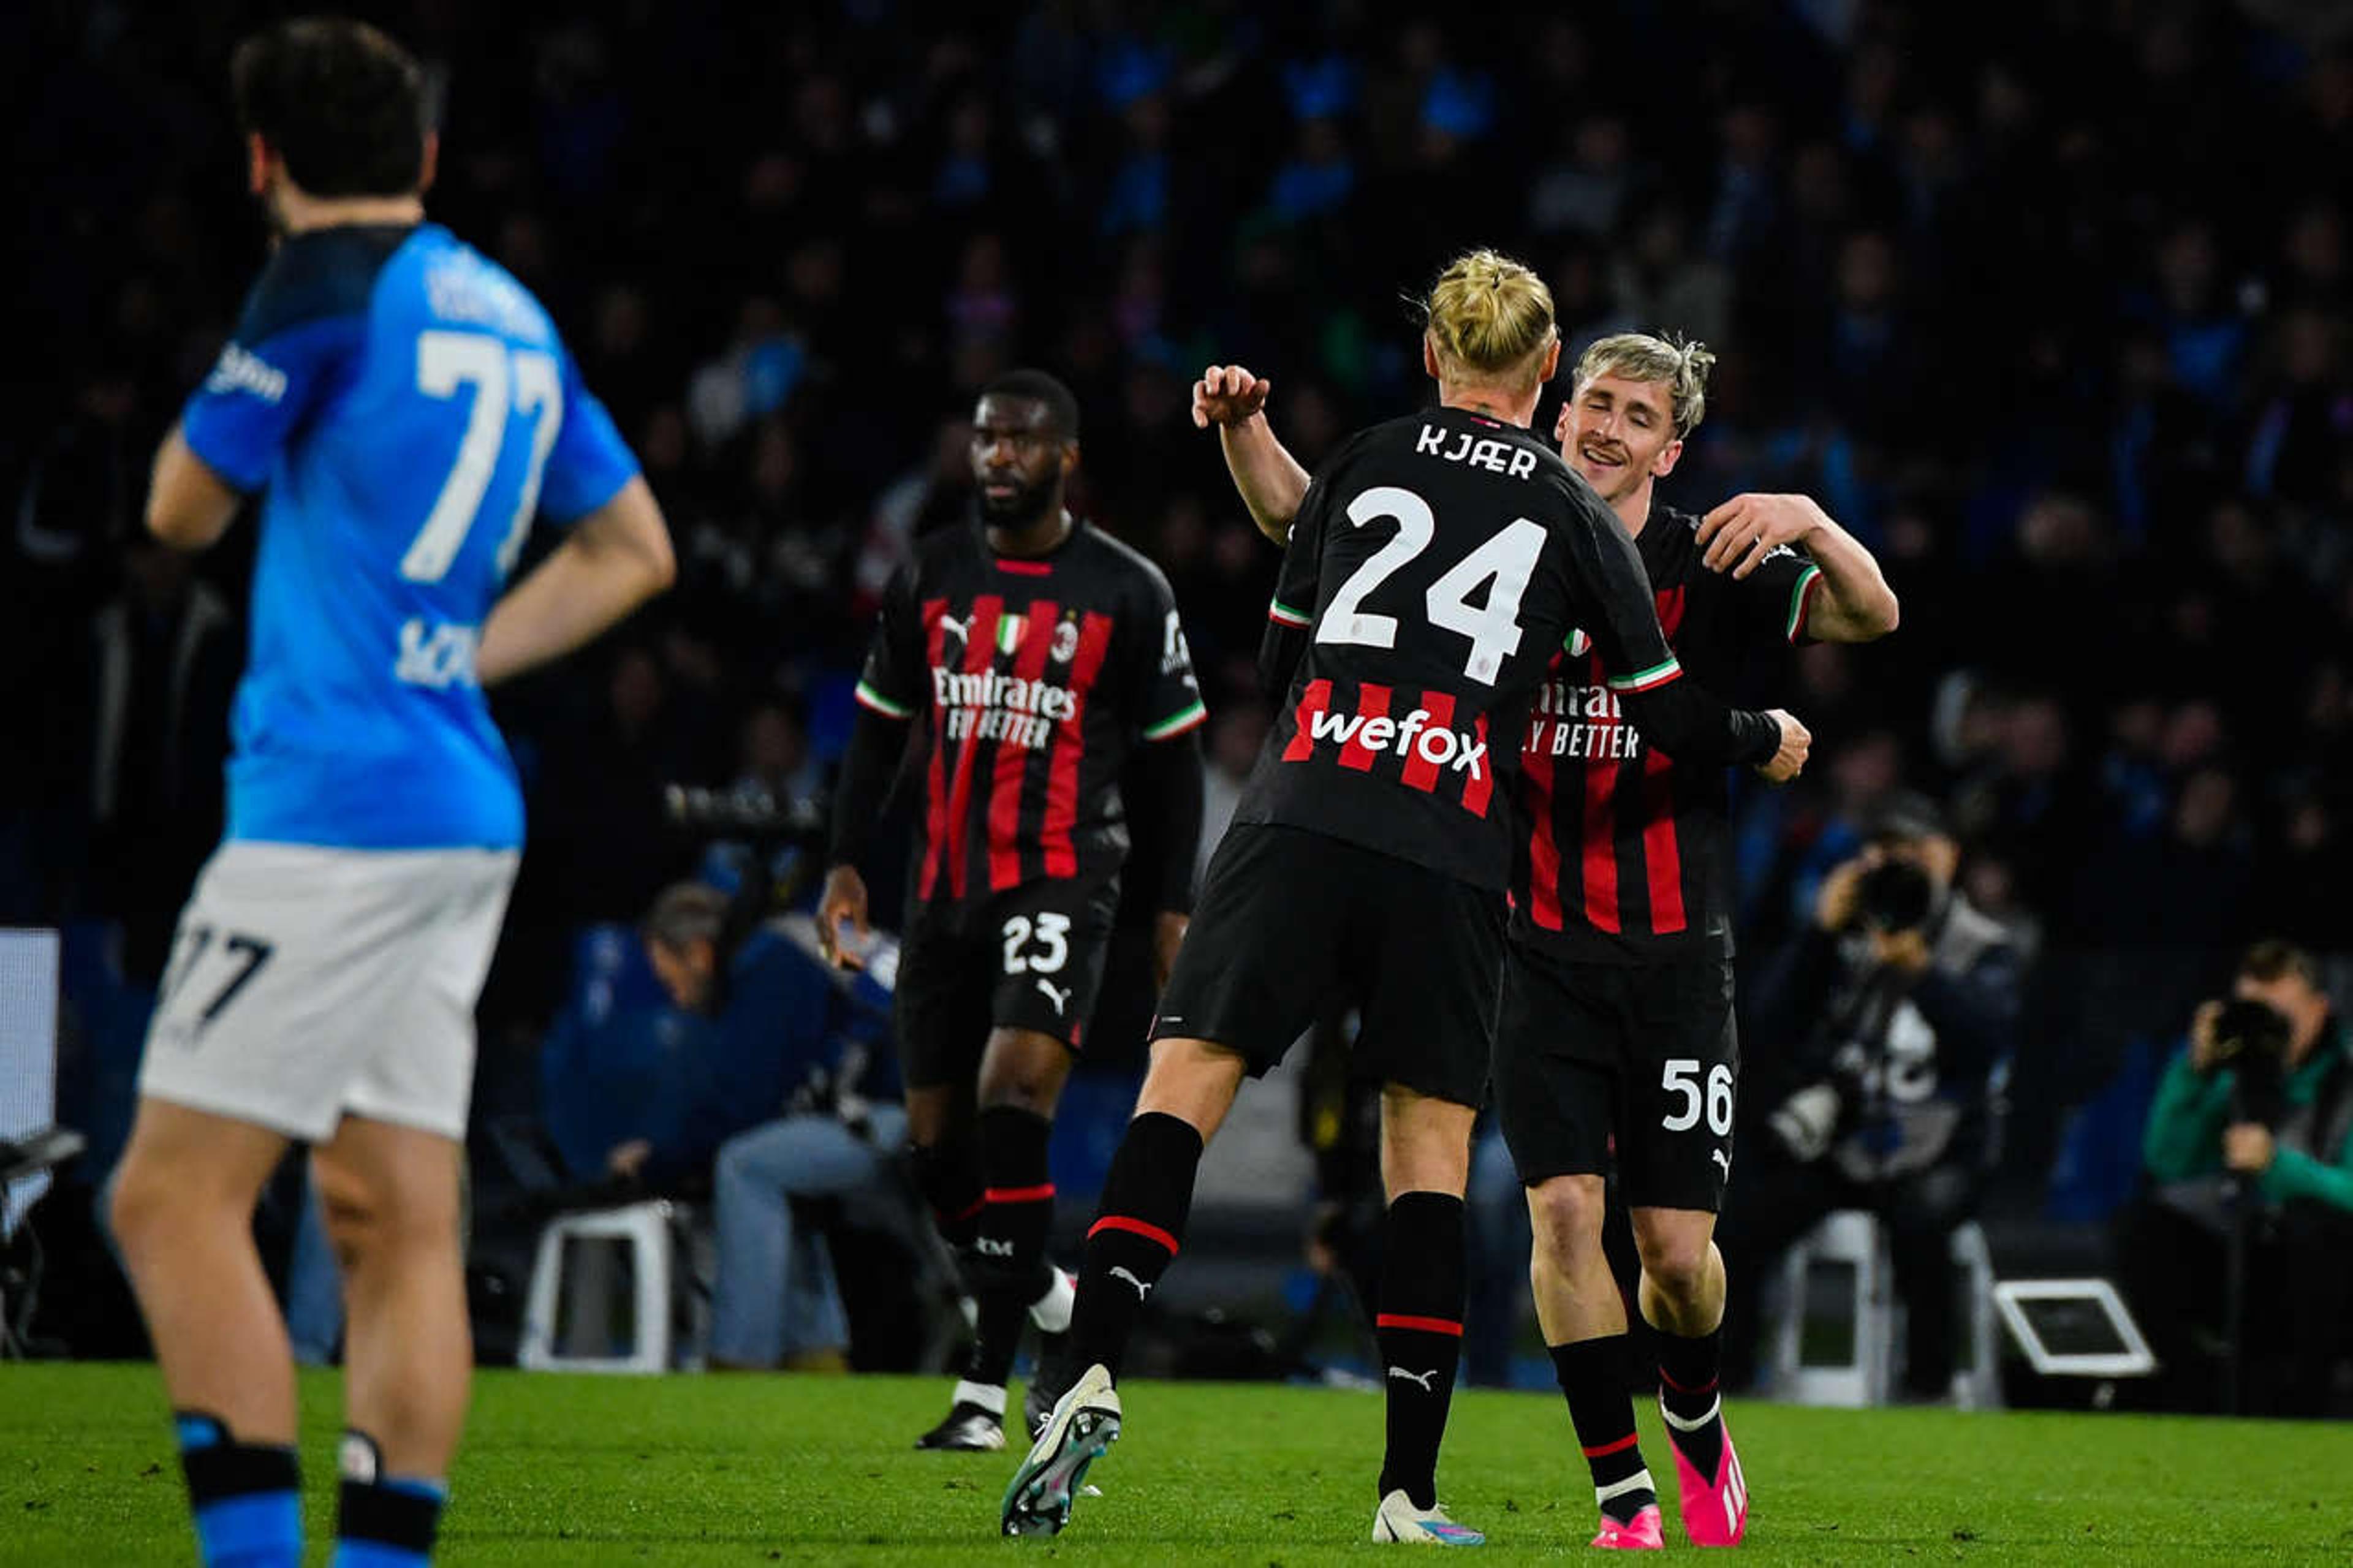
1508, 457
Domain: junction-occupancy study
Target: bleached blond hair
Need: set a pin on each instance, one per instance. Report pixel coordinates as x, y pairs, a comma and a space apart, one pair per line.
1679, 363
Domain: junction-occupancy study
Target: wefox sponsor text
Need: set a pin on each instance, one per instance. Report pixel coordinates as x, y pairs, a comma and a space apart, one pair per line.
1409, 734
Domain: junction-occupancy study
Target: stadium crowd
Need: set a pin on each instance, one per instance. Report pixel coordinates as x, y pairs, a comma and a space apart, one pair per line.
2007, 299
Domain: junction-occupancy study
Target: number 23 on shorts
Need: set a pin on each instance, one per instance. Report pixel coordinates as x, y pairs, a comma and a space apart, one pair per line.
1051, 947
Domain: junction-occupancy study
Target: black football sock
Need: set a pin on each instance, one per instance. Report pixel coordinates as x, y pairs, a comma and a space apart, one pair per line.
384, 1522
1419, 1327
1690, 1396
948, 1175
1008, 1249
1137, 1229
1592, 1375
246, 1497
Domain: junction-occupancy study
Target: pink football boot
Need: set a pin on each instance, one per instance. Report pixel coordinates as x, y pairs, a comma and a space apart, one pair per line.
1715, 1509
1642, 1534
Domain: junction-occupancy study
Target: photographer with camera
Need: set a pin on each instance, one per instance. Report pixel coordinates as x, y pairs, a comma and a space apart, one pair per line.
2249, 1150
1896, 1009
776, 1099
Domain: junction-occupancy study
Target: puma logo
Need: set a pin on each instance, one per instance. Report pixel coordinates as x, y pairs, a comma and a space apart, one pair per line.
1723, 1160
1142, 1289
1424, 1381
960, 625
1059, 995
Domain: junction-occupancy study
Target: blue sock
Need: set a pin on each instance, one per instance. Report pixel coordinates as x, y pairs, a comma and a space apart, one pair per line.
387, 1521
247, 1498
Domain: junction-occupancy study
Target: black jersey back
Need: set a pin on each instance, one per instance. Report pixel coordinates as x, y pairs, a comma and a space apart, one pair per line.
1436, 564
1038, 676
1630, 855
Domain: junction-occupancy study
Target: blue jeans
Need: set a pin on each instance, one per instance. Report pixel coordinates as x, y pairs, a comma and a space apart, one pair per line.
776, 1295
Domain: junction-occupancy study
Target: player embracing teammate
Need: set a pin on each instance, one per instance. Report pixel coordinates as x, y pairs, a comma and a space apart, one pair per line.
1616, 1018
1438, 561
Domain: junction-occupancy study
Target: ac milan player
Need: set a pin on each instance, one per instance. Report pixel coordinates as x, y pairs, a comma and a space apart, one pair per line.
1617, 1015
1039, 653
1438, 561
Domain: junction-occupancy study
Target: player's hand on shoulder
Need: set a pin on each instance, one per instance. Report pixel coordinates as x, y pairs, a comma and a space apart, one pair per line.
1789, 761
844, 900
1228, 395
1739, 534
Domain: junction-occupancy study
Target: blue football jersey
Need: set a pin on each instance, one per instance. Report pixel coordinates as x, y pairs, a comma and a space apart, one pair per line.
410, 409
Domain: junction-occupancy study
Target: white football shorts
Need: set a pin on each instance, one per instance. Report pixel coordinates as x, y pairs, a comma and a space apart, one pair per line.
307, 982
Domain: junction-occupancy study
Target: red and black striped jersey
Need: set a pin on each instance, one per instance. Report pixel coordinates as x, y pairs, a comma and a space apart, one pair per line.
1628, 857
1435, 563
1035, 678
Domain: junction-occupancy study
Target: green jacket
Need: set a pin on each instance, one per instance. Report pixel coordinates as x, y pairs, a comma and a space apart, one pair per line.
2184, 1138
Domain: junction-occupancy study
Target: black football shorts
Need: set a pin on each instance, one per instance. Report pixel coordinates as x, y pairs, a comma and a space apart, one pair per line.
1291, 923
1028, 958
1646, 1052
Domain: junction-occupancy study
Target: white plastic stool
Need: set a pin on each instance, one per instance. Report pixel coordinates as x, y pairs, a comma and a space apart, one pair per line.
645, 1228
1854, 1240
1849, 1240
1977, 1386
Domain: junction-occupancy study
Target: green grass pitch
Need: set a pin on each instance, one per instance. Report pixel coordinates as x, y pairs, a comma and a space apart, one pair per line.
743, 1470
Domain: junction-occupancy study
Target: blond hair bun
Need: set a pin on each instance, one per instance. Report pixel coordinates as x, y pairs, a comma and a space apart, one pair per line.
1489, 318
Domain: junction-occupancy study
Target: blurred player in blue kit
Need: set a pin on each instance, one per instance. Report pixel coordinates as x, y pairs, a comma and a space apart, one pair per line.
407, 408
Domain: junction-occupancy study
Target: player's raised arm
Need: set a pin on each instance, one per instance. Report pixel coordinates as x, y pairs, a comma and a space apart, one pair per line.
615, 558
1837, 593
1271, 482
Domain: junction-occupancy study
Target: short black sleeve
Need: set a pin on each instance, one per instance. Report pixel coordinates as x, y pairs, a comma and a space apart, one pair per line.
1774, 600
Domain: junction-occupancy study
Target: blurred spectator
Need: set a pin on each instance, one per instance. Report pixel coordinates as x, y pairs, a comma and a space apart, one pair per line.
1657, 279
786, 1098
1894, 1015
1235, 736
773, 752
164, 659
597, 818
1583, 190
2252, 1132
